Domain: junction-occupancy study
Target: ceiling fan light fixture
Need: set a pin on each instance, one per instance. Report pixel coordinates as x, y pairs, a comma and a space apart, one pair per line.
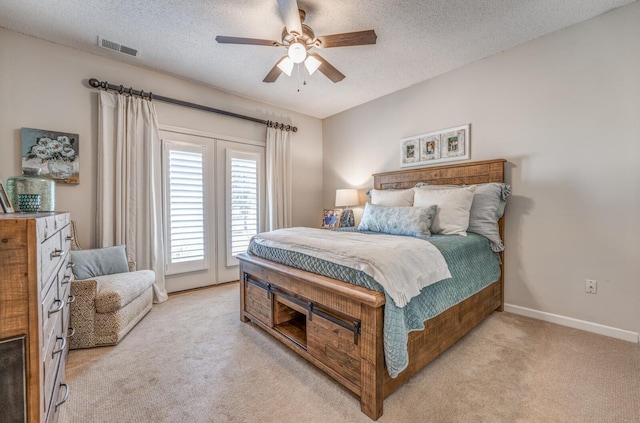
297, 52
286, 65
312, 64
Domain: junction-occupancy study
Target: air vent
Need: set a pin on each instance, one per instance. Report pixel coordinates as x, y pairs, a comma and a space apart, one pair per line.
117, 47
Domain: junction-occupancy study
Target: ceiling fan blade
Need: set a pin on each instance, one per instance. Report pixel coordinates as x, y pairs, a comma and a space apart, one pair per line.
251, 41
327, 68
357, 38
290, 15
275, 71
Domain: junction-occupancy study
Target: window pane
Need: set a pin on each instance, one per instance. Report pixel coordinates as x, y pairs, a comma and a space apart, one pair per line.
243, 204
186, 206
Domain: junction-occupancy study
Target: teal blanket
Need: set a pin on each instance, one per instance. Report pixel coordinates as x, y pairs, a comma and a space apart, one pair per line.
472, 264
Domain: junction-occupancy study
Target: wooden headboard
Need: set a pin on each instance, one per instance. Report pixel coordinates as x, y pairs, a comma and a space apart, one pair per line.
455, 174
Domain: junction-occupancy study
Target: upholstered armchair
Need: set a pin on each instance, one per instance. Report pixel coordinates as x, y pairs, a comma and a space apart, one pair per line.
111, 297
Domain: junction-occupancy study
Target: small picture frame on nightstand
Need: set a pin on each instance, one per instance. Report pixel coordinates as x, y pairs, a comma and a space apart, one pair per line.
5, 203
331, 218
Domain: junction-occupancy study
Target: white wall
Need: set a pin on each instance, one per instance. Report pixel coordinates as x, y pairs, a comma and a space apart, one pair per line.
44, 86
564, 110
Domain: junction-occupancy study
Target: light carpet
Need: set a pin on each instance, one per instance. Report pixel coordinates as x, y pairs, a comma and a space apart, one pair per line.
192, 360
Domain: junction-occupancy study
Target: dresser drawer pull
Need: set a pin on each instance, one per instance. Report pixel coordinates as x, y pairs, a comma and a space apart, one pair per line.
70, 265
60, 307
71, 299
57, 253
70, 332
66, 394
70, 238
65, 280
62, 347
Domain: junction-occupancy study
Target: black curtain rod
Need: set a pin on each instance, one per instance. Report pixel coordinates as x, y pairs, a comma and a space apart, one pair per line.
122, 90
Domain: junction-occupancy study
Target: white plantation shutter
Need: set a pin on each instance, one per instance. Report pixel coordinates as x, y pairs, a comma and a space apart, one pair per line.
242, 202
185, 203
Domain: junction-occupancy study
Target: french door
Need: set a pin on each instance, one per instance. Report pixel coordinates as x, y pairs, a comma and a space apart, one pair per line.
213, 203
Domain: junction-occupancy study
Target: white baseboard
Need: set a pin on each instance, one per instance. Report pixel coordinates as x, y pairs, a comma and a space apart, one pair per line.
625, 335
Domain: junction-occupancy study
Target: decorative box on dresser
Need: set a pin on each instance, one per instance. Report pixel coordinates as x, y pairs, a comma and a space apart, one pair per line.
35, 276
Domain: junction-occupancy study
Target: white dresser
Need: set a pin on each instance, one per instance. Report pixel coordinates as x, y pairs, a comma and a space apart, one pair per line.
35, 277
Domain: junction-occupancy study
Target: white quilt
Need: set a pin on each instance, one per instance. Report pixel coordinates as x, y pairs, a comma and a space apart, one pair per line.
402, 265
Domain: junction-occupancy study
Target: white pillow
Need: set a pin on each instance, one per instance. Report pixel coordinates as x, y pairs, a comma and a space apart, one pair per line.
454, 206
393, 198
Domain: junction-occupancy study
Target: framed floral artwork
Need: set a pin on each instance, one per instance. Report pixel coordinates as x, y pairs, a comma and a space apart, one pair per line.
56, 154
445, 145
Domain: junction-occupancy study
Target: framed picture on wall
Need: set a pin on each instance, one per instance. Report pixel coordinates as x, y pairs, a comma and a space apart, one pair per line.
56, 154
454, 142
410, 152
430, 148
445, 145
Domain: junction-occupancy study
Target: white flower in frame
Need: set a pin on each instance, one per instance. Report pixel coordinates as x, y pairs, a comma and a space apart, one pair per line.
64, 140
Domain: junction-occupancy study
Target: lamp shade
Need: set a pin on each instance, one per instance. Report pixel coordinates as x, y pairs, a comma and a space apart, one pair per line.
286, 65
312, 64
347, 197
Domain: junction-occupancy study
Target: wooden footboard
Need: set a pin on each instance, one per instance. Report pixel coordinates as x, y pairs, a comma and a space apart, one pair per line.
335, 325
338, 326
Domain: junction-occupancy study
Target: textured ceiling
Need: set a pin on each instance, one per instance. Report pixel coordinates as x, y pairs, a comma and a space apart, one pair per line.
417, 40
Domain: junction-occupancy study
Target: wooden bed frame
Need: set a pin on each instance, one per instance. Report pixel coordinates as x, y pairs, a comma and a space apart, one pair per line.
338, 326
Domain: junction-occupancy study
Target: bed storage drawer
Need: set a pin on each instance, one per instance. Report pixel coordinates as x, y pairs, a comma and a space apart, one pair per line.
257, 301
328, 336
335, 345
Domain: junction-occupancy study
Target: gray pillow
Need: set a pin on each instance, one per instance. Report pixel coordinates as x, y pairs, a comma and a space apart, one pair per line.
99, 261
487, 208
412, 221
488, 205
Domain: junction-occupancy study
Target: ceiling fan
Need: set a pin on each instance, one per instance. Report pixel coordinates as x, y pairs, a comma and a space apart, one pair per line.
298, 39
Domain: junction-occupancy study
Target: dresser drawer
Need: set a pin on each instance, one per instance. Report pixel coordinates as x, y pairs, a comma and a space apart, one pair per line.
64, 282
51, 255
51, 359
52, 309
54, 357
65, 231
60, 393
49, 225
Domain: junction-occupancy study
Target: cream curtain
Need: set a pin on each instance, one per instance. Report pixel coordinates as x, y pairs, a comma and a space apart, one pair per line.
278, 179
129, 182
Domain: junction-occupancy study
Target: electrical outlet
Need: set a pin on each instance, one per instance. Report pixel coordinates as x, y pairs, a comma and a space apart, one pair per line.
591, 286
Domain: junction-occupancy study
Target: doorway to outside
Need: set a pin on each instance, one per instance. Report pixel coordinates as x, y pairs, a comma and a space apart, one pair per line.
213, 197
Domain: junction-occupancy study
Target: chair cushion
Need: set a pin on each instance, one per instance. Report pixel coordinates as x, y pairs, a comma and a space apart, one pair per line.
117, 290
99, 261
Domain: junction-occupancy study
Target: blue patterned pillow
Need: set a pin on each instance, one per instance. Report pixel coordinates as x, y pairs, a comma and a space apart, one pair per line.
413, 221
99, 261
